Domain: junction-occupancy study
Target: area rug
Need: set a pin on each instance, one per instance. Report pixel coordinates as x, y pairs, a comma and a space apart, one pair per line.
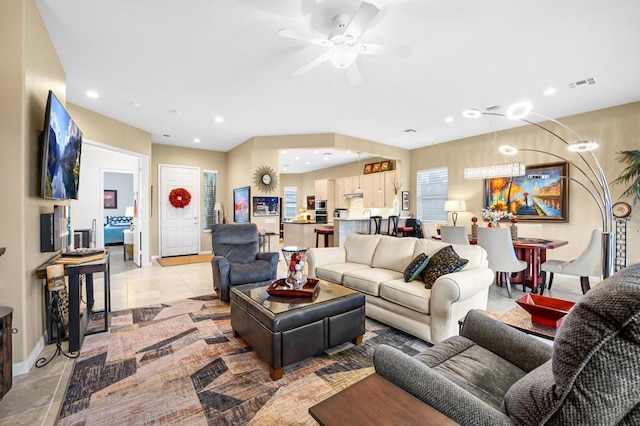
179, 364
184, 260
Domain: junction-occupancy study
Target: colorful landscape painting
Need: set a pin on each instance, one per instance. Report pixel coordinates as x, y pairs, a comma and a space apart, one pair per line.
542, 194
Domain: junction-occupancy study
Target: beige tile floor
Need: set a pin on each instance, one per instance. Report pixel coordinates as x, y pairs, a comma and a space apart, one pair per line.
35, 398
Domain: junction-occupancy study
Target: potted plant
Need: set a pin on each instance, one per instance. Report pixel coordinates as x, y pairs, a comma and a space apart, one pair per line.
631, 174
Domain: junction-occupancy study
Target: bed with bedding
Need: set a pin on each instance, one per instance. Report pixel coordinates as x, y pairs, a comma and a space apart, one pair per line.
114, 228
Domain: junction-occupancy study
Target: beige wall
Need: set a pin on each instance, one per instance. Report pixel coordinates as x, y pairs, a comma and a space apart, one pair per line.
205, 160
29, 67
616, 129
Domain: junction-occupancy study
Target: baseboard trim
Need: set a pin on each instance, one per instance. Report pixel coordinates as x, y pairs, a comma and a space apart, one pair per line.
24, 367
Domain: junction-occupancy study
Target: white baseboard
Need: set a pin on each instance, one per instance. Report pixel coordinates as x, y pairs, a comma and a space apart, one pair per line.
25, 366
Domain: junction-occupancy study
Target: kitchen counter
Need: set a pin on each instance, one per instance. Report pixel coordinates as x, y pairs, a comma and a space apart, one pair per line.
351, 225
301, 234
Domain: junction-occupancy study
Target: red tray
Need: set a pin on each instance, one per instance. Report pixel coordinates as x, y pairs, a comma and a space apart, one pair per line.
306, 291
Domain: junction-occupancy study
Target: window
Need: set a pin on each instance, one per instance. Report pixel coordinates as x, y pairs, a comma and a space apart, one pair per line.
210, 198
433, 187
290, 201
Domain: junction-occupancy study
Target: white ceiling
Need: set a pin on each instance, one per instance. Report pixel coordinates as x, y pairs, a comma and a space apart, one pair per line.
169, 67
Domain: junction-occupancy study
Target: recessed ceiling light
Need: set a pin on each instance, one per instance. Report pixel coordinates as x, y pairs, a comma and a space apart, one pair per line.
316, 152
92, 94
307, 163
197, 140
134, 104
297, 158
218, 119
471, 113
550, 91
519, 110
448, 120
176, 112
284, 151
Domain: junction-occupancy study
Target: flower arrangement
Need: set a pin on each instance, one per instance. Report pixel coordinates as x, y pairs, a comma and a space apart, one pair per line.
494, 216
396, 184
296, 264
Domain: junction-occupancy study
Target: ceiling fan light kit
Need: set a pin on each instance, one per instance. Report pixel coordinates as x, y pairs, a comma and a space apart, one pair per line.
343, 45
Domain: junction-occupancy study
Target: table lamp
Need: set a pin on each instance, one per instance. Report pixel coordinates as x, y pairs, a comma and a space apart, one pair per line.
130, 212
455, 206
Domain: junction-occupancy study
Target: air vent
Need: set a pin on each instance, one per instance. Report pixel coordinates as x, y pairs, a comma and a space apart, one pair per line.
582, 83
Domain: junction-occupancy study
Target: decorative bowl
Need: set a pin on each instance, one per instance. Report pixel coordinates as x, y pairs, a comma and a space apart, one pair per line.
281, 288
545, 310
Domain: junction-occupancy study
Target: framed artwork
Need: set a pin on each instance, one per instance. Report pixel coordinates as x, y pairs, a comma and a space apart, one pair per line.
265, 206
311, 202
405, 200
385, 165
110, 199
367, 168
541, 195
241, 207
375, 167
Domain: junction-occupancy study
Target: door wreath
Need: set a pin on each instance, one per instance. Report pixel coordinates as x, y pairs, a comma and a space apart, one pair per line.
179, 198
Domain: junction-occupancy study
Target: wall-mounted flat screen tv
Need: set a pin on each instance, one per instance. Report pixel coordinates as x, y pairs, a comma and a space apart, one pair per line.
62, 145
265, 206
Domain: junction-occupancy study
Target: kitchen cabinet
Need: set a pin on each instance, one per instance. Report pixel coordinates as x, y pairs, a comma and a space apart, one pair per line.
373, 191
325, 189
340, 202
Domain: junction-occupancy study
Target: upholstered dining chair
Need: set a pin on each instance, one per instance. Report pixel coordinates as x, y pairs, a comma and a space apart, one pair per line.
429, 229
454, 234
500, 253
237, 259
582, 266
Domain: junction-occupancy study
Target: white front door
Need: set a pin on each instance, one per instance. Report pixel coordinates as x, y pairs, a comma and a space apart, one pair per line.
179, 227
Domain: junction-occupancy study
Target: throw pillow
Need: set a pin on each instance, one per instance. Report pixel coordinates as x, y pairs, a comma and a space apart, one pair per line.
443, 262
416, 267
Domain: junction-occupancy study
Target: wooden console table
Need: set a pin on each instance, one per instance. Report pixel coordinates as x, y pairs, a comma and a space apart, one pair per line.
78, 320
6, 358
376, 401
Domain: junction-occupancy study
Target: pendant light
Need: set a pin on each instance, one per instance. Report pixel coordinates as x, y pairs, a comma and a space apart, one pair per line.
379, 173
359, 175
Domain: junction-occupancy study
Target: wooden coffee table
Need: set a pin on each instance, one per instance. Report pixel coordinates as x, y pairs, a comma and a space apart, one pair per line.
376, 401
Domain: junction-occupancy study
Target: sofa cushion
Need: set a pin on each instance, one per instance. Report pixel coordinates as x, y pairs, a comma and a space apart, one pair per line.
334, 272
475, 254
394, 253
368, 280
360, 248
411, 295
441, 263
415, 268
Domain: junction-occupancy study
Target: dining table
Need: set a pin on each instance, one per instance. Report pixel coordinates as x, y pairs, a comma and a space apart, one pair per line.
534, 252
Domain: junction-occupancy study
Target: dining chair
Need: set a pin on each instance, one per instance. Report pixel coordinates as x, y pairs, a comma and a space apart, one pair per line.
375, 226
454, 234
582, 266
429, 229
500, 253
410, 228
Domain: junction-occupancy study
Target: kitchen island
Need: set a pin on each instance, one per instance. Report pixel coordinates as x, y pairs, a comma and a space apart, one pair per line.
301, 234
351, 225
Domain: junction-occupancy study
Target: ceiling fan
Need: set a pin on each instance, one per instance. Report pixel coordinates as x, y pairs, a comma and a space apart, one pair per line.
343, 46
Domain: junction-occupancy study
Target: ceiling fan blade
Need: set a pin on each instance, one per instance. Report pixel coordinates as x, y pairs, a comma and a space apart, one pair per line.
317, 61
360, 21
353, 74
385, 49
305, 37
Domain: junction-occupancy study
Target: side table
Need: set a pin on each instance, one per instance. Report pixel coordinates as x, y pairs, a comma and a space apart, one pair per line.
519, 319
128, 243
376, 401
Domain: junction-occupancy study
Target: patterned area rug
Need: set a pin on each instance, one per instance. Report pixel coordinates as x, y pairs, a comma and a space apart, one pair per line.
178, 363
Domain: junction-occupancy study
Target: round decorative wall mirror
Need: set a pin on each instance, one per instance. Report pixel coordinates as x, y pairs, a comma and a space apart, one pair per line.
265, 179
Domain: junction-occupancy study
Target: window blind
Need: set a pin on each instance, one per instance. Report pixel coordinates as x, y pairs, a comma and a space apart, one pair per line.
433, 189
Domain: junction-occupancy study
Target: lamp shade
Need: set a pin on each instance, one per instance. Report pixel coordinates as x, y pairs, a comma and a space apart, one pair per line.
218, 206
129, 212
455, 206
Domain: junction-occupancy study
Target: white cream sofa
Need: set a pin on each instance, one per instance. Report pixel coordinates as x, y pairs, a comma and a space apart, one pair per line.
374, 265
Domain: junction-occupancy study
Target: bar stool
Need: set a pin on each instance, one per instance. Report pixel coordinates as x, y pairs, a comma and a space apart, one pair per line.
392, 226
326, 232
410, 228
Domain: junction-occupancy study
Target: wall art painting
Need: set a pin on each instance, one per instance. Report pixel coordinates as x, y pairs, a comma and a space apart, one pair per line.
541, 195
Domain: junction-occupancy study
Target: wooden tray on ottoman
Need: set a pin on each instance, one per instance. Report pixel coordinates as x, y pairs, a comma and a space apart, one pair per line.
278, 289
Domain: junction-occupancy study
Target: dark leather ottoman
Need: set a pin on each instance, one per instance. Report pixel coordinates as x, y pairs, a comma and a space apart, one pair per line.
285, 330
